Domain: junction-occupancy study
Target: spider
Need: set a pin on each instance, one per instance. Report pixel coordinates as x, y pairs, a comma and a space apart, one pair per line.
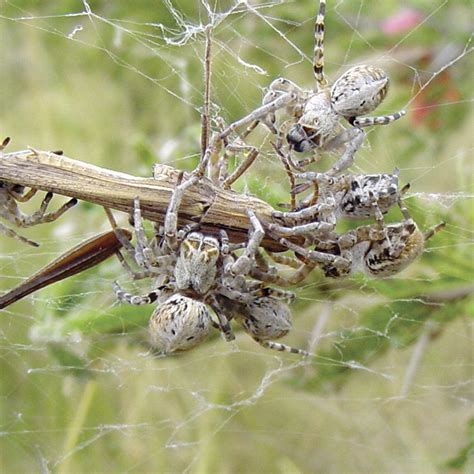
316, 114
11, 194
193, 271
351, 196
379, 250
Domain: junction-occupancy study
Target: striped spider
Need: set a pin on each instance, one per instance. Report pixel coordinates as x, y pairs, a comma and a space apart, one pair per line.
350, 196
12, 194
316, 114
194, 271
379, 250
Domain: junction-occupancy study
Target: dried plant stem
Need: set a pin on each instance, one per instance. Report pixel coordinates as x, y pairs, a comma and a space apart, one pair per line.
222, 209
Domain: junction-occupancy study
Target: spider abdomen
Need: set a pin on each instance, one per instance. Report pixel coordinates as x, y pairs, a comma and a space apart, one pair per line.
179, 324
368, 193
359, 91
381, 262
266, 318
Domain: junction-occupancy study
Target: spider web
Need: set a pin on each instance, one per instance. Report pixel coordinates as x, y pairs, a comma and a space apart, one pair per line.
120, 84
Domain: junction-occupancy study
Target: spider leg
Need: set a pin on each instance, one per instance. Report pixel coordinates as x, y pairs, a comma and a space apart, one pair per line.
271, 292
130, 298
243, 167
321, 258
303, 270
354, 137
302, 229
244, 262
267, 273
430, 232
221, 172
224, 324
284, 260
263, 271
11, 233
318, 56
409, 227
171, 217
287, 162
133, 273
144, 255
308, 212
278, 346
130, 249
379, 120
282, 101
270, 119
12, 213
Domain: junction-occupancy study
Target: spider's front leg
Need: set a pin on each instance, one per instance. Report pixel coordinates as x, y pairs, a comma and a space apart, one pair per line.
147, 254
333, 265
326, 219
353, 139
300, 273
264, 272
284, 100
136, 300
143, 253
274, 100
243, 263
311, 221
171, 217
276, 89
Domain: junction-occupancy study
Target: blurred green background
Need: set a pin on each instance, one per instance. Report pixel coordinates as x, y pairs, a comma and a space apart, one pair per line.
121, 86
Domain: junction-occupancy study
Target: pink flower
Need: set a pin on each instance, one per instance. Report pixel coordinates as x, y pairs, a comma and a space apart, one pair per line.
403, 20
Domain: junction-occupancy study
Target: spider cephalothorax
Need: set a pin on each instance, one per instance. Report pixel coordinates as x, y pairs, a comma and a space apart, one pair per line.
196, 265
